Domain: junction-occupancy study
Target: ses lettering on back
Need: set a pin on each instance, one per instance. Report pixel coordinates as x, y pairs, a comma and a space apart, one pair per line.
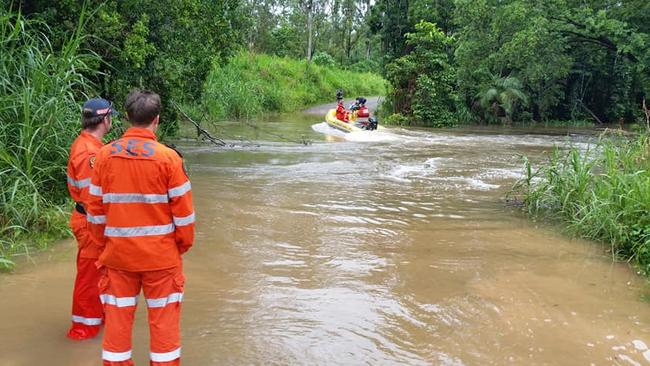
132, 147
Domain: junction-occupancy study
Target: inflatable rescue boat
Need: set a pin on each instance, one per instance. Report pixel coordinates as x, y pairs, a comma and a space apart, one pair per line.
355, 124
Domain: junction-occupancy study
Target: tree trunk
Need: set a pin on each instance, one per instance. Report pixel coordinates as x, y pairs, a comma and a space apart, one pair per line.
367, 49
646, 111
310, 24
348, 41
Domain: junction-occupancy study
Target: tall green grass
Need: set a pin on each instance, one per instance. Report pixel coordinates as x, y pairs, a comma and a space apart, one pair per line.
601, 194
40, 90
253, 84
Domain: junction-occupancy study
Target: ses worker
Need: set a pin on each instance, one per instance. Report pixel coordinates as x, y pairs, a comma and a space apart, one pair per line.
140, 211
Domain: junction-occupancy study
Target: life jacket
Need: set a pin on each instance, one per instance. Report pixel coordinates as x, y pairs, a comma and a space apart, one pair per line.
140, 204
341, 113
363, 112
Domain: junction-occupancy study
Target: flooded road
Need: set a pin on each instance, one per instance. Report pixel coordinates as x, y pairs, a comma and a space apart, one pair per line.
391, 249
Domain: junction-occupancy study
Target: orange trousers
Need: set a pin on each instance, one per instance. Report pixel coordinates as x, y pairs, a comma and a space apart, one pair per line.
163, 292
87, 312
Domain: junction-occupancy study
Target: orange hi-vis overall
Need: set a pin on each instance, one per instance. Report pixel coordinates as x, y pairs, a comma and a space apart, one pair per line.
87, 312
141, 210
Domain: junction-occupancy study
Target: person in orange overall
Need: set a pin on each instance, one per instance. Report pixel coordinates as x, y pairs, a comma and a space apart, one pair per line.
341, 113
87, 312
141, 211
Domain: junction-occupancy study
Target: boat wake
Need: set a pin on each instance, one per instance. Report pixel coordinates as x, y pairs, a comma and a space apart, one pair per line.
357, 136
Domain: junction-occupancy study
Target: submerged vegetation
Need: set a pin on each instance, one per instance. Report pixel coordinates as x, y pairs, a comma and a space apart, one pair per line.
601, 194
251, 84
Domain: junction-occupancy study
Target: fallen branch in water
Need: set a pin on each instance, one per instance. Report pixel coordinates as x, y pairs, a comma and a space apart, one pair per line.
590, 112
219, 142
200, 130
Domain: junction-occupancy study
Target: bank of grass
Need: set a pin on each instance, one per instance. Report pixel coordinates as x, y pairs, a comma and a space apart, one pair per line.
601, 194
39, 116
253, 84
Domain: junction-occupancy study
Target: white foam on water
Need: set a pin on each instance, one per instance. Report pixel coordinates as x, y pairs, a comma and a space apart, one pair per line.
357, 136
639, 345
371, 136
469, 183
481, 185
405, 173
502, 173
325, 129
628, 360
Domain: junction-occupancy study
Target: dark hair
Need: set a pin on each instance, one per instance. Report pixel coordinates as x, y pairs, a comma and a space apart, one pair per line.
90, 121
142, 106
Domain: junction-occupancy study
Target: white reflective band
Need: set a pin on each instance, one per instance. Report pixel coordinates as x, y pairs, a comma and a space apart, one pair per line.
165, 357
120, 302
116, 356
163, 301
181, 221
138, 230
180, 190
96, 219
79, 183
95, 190
86, 321
134, 198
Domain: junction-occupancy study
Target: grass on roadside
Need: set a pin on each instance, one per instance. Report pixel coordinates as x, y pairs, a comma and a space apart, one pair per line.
253, 84
39, 117
602, 194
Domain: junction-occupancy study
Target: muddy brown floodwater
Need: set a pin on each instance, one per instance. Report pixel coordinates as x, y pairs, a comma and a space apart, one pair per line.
389, 248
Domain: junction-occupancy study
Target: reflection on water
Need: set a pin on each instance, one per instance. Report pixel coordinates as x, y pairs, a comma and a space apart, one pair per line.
383, 251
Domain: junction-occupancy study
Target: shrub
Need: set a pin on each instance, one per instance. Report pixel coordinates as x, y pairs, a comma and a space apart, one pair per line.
397, 119
323, 59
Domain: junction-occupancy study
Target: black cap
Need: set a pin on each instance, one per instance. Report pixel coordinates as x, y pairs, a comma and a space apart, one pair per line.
96, 107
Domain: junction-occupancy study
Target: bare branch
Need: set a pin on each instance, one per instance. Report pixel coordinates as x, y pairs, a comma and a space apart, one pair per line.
200, 130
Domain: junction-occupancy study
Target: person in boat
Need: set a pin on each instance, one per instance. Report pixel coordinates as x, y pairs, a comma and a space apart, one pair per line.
362, 110
341, 113
355, 105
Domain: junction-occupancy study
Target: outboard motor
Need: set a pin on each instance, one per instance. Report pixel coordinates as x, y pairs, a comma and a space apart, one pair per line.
372, 124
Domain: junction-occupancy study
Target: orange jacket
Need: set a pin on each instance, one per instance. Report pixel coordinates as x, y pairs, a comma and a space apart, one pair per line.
140, 204
341, 113
80, 164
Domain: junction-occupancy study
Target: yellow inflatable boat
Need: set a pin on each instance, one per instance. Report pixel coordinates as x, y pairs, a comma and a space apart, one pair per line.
355, 124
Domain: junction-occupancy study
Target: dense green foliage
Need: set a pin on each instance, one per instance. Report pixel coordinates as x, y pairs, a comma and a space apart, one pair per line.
520, 59
167, 46
39, 93
339, 30
251, 84
423, 79
603, 194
